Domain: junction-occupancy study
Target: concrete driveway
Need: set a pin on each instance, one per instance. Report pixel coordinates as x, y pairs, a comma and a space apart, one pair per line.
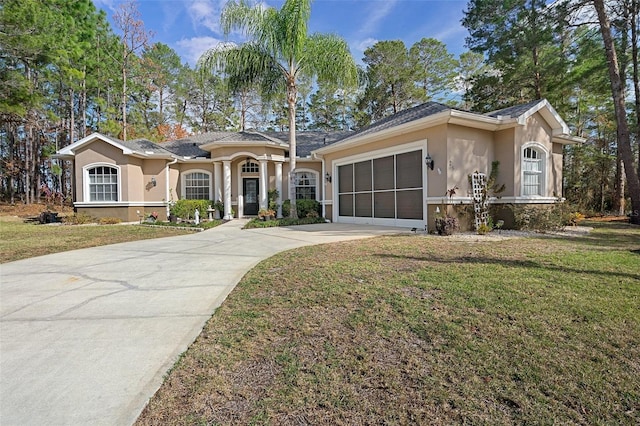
87, 336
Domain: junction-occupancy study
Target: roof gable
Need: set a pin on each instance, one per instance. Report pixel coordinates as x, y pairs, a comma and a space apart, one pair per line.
137, 147
522, 112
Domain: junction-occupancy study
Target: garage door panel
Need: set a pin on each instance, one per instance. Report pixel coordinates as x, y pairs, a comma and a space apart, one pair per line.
384, 204
409, 204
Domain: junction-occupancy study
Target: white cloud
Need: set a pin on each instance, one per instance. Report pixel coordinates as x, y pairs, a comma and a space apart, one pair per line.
377, 12
105, 4
192, 48
362, 45
206, 13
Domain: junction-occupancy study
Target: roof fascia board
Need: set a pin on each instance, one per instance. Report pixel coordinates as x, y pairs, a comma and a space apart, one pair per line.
432, 120
567, 139
558, 126
463, 118
70, 150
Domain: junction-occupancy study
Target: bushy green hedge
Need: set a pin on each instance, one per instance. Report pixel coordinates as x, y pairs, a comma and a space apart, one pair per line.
259, 223
306, 208
186, 209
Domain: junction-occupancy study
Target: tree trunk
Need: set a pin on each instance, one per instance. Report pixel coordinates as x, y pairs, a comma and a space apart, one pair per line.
124, 102
83, 104
291, 100
619, 200
635, 11
72, 117
617, 92
12, 143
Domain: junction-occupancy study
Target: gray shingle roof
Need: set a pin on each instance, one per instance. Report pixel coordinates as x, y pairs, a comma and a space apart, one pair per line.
143, 146
190, 146
402, 117
307, 141
514, 111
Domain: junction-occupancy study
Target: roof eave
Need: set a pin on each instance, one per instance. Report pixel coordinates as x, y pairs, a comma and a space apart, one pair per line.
220, 144
566, 139
432, 120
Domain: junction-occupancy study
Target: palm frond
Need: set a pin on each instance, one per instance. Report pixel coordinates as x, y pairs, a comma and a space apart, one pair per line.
328, 57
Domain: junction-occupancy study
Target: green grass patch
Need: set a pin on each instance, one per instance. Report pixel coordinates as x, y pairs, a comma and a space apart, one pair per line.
422, 330
19, 240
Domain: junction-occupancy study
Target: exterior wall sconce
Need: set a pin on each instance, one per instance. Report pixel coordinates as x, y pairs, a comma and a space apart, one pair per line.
153, 181
428, 161
327, 177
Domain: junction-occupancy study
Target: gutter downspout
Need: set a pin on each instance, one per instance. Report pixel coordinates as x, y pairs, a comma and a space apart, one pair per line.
170, 163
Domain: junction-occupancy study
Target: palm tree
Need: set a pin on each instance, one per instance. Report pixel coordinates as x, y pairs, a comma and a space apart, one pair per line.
279, 52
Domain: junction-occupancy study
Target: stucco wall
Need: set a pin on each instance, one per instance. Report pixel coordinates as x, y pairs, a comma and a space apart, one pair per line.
468, 150
537, 130
99, 152
505, 152
155, 169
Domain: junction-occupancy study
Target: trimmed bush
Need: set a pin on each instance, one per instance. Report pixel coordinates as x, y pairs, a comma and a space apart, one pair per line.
306, 208
257, 223
186, 209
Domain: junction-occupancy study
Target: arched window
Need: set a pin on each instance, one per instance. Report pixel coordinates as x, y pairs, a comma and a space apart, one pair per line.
197, 186
306, 185
533, 166
250, 167
102, 183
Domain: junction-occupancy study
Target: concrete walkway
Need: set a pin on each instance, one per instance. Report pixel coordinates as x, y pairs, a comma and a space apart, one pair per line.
87, 336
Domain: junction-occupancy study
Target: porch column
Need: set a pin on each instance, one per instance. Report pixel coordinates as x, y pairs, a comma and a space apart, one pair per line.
217, 177
279, 188
227, 189
264, 185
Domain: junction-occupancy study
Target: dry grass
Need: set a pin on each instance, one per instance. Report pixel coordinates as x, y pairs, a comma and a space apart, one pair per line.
20, 240
422, 330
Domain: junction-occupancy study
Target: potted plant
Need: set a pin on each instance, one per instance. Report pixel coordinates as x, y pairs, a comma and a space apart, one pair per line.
266, 214
219, 209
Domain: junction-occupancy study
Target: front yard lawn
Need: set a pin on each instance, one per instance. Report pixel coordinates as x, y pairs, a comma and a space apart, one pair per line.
19, 240
422, 330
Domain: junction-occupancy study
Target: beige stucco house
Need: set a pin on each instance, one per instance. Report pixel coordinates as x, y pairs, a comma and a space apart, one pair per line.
395, 172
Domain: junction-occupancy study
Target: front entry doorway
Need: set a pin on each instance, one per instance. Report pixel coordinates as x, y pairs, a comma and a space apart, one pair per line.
250, 190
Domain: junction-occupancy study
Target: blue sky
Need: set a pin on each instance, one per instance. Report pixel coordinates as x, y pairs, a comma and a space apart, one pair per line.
192, 26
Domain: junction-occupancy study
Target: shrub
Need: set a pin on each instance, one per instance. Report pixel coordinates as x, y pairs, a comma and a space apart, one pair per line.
257, 223
79, 219
109, 220
543, 217
304, 207
447, 225
484, 229
185, 209
575, 218
273, 196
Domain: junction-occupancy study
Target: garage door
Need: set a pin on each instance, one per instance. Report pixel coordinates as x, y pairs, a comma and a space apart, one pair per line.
385, 190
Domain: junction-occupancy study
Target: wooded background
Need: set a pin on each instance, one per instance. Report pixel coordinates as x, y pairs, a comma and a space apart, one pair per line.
67, 73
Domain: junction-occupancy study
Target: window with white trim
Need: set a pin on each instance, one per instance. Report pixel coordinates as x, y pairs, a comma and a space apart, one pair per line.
532, 171
250, 167
103, 183
306, 185
197, 186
